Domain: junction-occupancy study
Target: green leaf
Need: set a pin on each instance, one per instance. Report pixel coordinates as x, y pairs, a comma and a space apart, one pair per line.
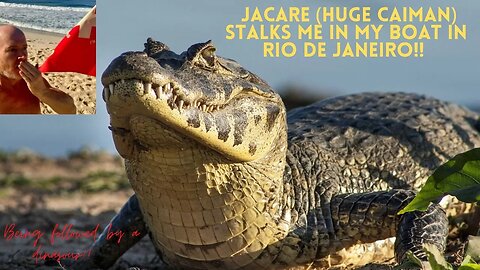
459, 177
473, 248
468, 263
436, 261
435, 258
411, 262
469, 266
422, 200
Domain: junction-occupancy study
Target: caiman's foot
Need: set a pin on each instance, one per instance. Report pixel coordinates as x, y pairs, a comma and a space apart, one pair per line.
419, 228
106, 250
372, 216
80, 264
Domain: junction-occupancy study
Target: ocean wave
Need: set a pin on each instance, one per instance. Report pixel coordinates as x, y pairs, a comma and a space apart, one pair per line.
46, 18
37, 7
35, 27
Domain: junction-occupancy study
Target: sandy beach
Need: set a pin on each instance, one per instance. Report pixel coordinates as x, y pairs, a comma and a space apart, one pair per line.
80, 87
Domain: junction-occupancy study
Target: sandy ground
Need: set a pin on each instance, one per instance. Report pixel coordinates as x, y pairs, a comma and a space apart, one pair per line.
38, 193
80, 87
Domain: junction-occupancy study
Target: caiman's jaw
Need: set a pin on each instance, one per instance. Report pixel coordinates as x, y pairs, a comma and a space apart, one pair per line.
168, 92
158, 98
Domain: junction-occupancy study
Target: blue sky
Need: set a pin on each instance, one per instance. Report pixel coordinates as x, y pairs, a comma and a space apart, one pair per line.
449, 69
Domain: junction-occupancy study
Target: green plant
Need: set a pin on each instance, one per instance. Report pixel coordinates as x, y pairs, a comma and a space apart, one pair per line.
14, 181
100, 181
459, 177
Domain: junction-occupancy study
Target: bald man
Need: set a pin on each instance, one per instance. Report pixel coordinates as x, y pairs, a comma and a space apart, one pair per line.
22, 86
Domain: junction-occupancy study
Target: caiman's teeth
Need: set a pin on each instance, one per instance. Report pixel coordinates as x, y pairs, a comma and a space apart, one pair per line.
157, 91
168, 91
147, 87
180, 105
106, 94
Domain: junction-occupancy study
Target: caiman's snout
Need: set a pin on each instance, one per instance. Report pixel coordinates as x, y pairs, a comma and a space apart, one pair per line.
131, 65
139, 67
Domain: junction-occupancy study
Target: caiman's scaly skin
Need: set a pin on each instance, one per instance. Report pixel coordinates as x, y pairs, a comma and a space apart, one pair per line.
221, 184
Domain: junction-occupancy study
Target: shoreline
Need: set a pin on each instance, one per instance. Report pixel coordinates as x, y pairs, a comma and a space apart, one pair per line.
41, 32
41, 35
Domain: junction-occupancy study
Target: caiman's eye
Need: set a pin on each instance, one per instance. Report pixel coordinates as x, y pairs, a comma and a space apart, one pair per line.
209, 56
203, 55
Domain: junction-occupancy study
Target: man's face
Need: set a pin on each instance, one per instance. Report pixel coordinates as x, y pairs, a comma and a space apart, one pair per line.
13, 50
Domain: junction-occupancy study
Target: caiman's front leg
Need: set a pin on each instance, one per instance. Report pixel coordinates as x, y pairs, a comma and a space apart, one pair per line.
105, 252
418, 228
367, 217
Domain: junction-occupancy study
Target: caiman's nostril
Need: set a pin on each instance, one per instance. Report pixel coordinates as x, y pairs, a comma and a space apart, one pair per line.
152, 47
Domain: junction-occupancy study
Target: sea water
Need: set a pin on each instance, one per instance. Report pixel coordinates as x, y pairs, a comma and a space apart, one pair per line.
52, 16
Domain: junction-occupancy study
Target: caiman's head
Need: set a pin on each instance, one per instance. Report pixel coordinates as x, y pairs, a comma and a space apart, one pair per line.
192, 96
199, 132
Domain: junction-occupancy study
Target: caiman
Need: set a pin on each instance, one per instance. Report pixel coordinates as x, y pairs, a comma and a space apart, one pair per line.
224, 178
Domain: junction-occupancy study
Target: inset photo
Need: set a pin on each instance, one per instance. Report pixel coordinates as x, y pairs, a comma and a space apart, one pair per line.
47, 57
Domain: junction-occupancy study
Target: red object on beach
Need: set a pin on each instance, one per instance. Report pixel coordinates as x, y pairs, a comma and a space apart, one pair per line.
77, 50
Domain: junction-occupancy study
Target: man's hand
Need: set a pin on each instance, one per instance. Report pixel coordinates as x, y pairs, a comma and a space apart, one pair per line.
33, 78
58, 100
